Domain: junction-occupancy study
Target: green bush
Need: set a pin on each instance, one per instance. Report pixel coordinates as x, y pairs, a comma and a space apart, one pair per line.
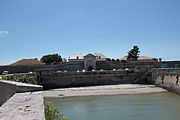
52, 113
25, 78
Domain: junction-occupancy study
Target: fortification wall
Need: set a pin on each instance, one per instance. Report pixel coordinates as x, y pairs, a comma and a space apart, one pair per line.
109, 65
9, 88
74, 79
20, 106
72, 66
7, 91
79, 65
167, 78
20, 69
23, 106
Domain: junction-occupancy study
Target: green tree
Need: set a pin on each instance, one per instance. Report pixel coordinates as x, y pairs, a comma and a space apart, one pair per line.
113, 60
51, 59
64, 60
133, 54
117, 60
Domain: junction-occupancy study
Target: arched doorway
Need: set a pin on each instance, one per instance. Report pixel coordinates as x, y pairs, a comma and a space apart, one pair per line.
90, 68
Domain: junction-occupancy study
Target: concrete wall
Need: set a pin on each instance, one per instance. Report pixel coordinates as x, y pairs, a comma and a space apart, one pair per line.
72, 79
167, 78
9, 88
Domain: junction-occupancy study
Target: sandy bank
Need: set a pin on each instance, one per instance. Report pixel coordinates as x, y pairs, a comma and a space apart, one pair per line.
102, 90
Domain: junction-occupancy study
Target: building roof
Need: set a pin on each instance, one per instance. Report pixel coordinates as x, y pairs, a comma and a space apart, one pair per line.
28, 62
139, 58
89, 55
81, 56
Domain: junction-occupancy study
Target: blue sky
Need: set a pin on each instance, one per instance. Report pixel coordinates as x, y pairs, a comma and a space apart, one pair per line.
33, 28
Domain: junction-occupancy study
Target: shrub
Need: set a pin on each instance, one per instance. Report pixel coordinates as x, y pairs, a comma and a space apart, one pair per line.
52, 113
25, 78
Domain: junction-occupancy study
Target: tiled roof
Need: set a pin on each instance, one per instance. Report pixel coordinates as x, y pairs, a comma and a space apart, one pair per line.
139, 58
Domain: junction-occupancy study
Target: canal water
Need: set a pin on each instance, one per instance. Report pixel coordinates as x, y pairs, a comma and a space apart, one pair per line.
155, 106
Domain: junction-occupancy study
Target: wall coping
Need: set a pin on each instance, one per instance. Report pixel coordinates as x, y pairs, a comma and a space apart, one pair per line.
20, 101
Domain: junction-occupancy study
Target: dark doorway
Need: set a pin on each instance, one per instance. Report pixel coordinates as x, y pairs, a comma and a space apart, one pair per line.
90, 68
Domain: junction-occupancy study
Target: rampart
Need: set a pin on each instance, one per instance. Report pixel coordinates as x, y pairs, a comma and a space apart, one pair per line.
167, 78
20, 101
79, 65
49, 79
9, 88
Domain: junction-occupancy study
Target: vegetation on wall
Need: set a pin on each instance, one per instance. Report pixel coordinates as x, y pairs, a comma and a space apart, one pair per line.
51, 59
52, 113
177, 77
133, 54
147, 77
162, 77
25, 78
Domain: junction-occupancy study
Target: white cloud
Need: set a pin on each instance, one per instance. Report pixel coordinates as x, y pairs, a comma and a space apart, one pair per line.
3, 33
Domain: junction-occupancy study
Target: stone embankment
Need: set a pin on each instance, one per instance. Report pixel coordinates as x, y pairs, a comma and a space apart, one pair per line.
167, 78
9, 88
50, 80
20, 101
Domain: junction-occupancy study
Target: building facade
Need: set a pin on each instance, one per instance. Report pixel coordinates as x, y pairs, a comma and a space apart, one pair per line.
89, 60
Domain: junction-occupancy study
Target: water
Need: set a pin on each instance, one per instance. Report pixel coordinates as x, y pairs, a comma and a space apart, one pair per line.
156, 106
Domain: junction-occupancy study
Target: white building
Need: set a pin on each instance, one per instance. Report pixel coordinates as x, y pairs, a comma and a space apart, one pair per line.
80, 57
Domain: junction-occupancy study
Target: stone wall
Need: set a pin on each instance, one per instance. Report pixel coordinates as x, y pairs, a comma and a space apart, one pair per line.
17, 103
9, 88
167, 78
110, 65
23, 106
20, 69
7, 91
79, 65
73, 66
49, 79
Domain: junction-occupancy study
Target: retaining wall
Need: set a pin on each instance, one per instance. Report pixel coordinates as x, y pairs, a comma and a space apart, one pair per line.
9, 88
20, 101
167, 78
6, 91
79, 65
23, 106
75, 79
